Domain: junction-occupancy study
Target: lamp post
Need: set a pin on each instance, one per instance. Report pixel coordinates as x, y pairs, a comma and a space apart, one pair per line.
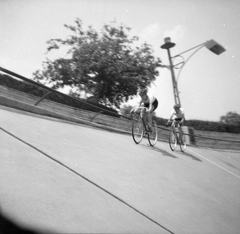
212, 45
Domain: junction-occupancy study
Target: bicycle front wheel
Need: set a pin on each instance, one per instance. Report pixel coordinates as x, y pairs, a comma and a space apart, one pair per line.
172, 141
153, 134
183, 143
137, 130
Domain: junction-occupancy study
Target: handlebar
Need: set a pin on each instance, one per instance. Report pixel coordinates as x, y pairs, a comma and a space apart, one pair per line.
138, 111
169, 123
135, 109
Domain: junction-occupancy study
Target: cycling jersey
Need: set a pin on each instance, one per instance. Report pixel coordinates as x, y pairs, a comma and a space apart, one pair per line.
146, 102
177, 115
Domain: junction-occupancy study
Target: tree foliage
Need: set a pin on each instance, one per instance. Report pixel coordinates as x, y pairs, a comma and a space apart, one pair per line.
125, 110
107, 65
231, 118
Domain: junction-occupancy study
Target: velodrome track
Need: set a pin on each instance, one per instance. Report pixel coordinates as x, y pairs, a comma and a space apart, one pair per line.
61, 177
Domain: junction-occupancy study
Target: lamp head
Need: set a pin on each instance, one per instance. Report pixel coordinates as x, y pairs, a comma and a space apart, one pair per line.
215, 47
168, 44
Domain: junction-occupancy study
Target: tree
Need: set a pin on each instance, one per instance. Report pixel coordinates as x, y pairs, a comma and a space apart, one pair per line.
231, 118
125, 110
100, 64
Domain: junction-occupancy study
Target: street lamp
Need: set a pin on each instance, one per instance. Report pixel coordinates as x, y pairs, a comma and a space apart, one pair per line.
212, 45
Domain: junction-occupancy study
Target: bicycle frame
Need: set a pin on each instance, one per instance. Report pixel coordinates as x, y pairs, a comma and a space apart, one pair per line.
174, 126
145, 125
142, 117
174, 138
138, 135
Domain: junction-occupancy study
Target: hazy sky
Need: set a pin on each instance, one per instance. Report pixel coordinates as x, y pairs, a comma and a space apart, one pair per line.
209, 84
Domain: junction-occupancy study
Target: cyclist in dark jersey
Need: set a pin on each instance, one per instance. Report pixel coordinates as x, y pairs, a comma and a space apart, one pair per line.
150, 102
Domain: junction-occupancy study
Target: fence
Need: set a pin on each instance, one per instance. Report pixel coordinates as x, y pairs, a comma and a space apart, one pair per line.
17, 99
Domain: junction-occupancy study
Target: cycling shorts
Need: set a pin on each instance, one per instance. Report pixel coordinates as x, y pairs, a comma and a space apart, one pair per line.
177, 120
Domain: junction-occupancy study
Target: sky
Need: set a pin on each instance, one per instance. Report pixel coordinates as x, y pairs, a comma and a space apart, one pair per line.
209, 84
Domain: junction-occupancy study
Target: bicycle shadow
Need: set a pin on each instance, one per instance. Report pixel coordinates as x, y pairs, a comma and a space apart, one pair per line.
163, 152
189, 155
168, 154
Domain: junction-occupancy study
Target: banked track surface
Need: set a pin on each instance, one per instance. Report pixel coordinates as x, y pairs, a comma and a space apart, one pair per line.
171, 192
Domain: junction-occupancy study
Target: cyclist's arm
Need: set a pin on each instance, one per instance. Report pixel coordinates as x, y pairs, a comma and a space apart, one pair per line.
183, 118
150, 106
151, 100
137, 109
172, 114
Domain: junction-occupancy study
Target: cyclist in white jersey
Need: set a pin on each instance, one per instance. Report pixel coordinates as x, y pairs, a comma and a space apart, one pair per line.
178, 117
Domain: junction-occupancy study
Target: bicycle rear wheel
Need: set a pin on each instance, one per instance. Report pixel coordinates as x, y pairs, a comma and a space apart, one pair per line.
172, 141
137, 129
183, 143
153, 134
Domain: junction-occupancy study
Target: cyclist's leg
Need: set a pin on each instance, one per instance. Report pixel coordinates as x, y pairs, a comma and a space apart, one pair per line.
180, 132
173, 126
145, 115
145, 120
179, 128
150, 118
150, 114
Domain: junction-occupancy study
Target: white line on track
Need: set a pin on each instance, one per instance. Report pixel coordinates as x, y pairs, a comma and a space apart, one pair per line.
214, 163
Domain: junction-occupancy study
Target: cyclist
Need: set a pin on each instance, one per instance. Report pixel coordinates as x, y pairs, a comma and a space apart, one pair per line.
151, 103
178, 117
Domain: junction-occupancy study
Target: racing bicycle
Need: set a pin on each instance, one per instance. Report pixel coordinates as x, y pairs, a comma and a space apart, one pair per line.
141, 129
174, 138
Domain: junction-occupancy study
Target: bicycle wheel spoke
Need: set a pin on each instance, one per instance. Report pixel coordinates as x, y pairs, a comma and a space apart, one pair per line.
172, 141
137, 130
183, 143
153, 134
